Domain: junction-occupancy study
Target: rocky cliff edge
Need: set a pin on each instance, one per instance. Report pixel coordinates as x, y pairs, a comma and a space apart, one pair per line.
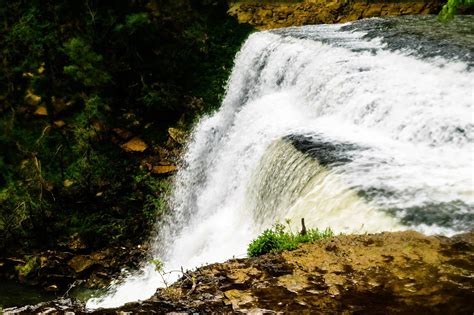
386, 273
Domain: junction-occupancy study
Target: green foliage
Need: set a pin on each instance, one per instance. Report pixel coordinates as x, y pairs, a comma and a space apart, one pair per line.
27, 31
451, 7
23, 205
12, 211
30, 265
141, 66
159, 265
134, 22
157, 193
86, 64
278, 239
159, 96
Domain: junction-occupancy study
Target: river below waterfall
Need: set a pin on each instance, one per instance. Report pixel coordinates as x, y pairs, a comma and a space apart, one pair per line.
14, 294
361, 127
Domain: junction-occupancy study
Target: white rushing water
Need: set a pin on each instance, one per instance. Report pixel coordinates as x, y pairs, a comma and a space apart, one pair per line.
331, 127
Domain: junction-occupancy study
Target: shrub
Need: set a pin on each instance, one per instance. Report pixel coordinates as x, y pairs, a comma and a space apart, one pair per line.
30, 265
451, 7
278, 239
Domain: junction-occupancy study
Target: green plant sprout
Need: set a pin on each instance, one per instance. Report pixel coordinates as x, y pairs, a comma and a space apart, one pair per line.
281, 237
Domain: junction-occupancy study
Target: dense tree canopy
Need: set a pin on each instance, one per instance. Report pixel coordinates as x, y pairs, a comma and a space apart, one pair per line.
72, 71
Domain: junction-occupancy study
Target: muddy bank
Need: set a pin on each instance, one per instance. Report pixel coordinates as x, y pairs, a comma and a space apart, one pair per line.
274, 14
403, 272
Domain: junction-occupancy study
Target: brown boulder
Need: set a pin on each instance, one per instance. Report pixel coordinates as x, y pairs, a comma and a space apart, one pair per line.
81, 263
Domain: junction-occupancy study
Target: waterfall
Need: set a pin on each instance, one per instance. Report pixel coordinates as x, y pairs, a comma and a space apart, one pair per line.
330, 123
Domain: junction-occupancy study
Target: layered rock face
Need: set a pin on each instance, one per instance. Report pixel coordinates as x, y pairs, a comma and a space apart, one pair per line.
384, 273
387, 273
274, 14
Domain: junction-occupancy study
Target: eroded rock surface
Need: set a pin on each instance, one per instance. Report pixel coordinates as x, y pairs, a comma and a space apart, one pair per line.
387, 273
267, 15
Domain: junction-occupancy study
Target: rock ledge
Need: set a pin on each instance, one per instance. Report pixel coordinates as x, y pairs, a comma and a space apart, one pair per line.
386, 273
274, 14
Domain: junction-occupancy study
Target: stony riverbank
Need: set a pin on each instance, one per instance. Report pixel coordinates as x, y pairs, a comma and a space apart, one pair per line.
402, 272
58, 271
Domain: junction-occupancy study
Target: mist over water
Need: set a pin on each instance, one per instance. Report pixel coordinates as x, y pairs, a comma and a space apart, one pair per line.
330, 123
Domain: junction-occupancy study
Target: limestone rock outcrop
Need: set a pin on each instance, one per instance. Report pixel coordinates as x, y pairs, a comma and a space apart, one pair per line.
274, 14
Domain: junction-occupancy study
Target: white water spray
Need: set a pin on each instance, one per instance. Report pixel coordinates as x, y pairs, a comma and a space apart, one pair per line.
402, 129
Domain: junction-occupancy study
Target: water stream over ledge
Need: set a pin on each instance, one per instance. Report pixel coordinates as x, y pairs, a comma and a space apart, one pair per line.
351, 126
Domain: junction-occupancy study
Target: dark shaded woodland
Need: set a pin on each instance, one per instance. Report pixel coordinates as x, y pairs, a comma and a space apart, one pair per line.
88, 91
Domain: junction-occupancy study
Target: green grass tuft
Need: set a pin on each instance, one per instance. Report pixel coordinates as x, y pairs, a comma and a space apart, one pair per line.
278, 239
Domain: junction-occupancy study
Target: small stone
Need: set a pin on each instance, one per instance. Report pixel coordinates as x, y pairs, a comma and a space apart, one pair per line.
135, 145
163, 169
59, 123
41, 111
51, 288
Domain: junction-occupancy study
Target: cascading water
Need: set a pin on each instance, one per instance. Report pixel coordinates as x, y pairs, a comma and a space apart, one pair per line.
358, 127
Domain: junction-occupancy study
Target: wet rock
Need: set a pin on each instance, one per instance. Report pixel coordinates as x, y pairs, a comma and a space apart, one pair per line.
60, 306
81, 263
